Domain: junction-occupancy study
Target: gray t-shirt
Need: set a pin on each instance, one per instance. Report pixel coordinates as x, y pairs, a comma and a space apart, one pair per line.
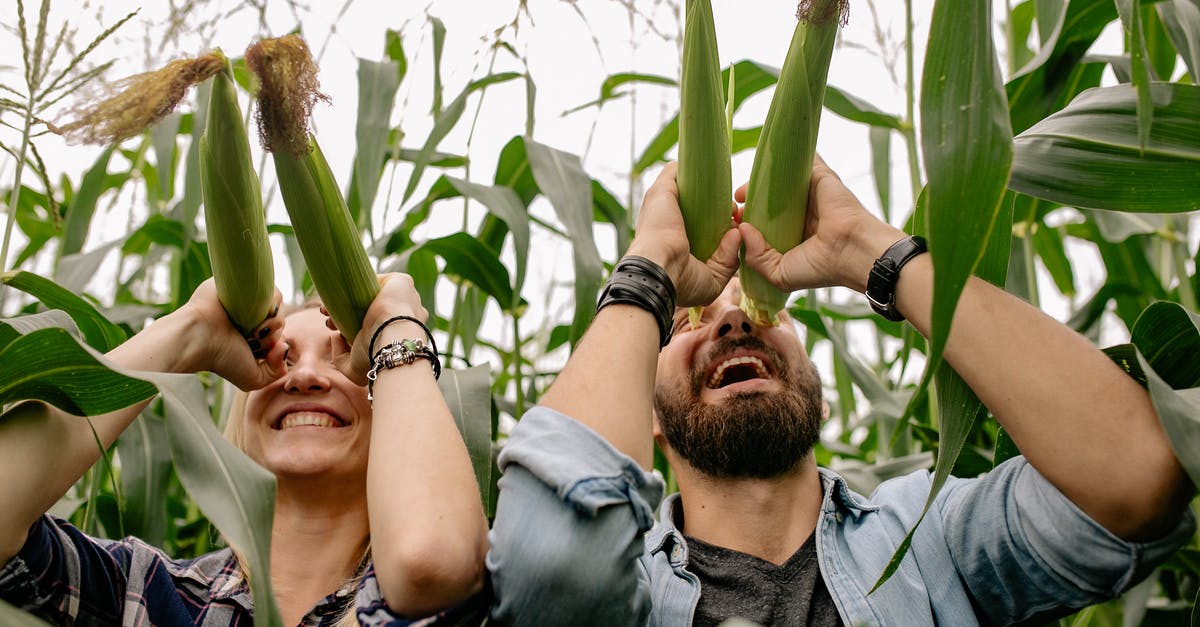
736, 584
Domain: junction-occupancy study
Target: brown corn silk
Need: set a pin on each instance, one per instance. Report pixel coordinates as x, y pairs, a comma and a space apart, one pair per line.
133, 104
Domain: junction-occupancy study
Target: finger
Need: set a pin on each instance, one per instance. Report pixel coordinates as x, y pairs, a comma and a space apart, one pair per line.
760, 255
740, 194
739, 213
724, 261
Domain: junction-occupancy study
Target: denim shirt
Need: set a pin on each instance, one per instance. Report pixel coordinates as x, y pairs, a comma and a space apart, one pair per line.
575, 540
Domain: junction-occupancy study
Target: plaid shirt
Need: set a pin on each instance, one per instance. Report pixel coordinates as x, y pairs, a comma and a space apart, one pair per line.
69, 578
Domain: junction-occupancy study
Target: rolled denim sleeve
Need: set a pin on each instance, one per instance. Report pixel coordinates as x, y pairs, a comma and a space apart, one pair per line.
1027, 553
567, 539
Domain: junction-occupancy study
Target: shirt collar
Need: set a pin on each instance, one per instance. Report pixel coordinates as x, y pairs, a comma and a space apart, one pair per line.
665, 537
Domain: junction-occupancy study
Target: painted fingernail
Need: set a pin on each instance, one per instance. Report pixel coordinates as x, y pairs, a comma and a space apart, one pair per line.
260, 354
274, 310
255, 345
263, 333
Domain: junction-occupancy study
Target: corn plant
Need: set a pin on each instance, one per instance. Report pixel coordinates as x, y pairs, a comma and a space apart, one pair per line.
1107, 168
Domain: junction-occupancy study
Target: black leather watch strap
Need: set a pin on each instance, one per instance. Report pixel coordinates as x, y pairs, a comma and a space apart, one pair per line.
881, 284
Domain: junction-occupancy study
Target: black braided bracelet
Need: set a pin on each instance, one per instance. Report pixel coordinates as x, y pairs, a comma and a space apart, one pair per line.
643, 283
379, 329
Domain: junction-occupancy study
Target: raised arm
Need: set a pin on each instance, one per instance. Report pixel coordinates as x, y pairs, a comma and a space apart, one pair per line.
617, 402
197, 336
1078, 418
428, 530
577, 494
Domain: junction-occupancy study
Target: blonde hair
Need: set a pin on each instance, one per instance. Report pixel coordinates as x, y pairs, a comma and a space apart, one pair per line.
235, 432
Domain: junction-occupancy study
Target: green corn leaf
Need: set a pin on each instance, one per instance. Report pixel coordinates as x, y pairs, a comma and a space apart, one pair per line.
378, 82
610, 88
50, 365
967, 143
1047, 82
561, 178
79, 214
468, 394
145, 455
444, 122
162, 139
1090, 155
1181, 18
101, 334
1131, 17
1168, 337
13, 617
235, 493
503, 203
189, 204
470, 260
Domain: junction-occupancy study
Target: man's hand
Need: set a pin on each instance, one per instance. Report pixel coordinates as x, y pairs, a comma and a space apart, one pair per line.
841, 240
662, 239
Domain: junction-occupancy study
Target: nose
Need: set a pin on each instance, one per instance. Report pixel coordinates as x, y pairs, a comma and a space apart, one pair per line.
732, 321
309, 374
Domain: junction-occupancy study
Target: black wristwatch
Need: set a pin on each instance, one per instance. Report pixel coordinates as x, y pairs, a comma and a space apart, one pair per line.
881, 284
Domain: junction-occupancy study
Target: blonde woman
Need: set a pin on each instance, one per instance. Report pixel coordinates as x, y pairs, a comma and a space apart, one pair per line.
377, 513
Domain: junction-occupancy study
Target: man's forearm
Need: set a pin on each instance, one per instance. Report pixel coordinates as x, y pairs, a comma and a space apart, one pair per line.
1078, 418
608, 384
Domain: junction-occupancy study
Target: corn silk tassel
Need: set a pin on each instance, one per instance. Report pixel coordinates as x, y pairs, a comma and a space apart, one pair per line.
704, 176
329, 240
233, 212
777, 198
131, 105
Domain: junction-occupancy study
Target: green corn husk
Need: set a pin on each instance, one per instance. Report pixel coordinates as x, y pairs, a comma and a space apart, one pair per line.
777, 198
233, 211
328, 238
704, 177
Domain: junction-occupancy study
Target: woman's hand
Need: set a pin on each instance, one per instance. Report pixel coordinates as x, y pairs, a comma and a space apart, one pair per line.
397, 297
661, 238
841, 239
212, 343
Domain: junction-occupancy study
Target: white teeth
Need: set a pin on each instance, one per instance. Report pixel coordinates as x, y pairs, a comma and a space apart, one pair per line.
308, 419
759, 368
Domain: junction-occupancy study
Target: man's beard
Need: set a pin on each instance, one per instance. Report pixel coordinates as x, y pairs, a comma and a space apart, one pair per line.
757, 434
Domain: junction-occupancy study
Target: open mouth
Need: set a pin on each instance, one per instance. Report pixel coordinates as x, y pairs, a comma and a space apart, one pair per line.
307, 417
737, 370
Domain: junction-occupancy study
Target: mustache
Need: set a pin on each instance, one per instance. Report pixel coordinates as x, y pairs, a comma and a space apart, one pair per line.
724, 346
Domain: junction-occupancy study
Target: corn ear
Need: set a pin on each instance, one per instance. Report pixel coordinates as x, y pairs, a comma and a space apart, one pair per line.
328, 237
704, 177
233, 211
777, 198
329, 240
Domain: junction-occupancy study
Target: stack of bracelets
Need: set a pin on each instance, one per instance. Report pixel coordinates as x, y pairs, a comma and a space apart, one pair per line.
400, 353
640, 282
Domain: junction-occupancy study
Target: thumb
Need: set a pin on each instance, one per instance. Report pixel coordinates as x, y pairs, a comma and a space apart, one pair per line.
787, 271
724, 261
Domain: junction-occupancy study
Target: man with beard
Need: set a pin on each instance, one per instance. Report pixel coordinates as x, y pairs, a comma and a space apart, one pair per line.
757, 530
